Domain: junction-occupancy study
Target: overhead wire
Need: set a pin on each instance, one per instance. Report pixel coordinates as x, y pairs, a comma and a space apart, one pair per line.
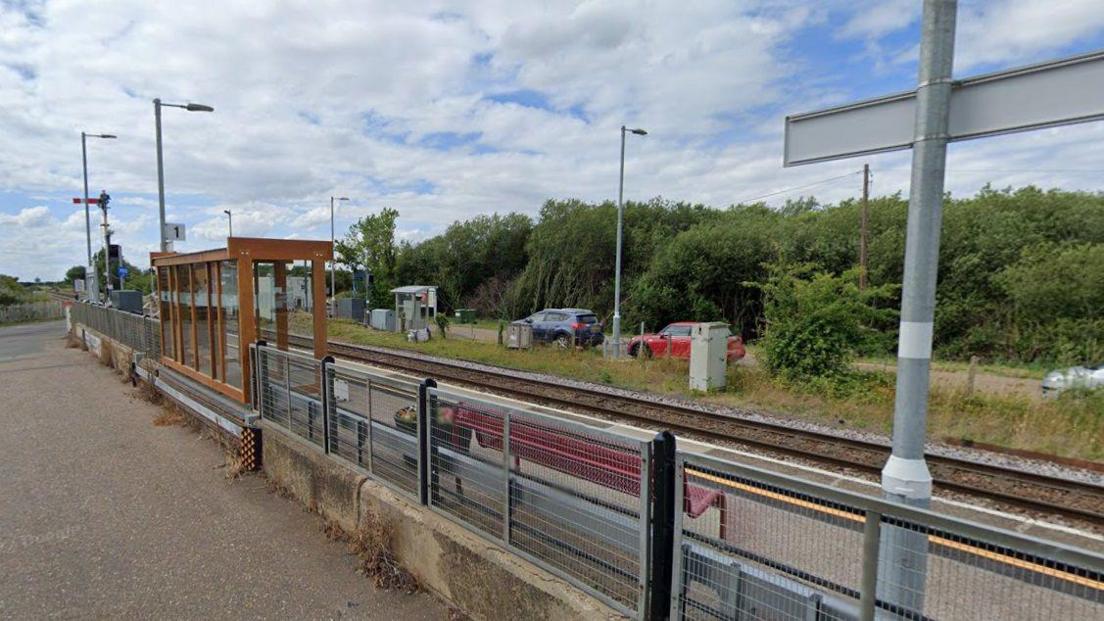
795, 188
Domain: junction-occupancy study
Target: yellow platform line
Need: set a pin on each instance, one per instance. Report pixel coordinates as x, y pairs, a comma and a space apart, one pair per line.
949, 543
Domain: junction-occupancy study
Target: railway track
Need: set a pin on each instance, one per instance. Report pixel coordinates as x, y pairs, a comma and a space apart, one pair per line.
1027, 490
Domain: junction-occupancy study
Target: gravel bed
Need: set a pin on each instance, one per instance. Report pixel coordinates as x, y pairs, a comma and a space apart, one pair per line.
989, 458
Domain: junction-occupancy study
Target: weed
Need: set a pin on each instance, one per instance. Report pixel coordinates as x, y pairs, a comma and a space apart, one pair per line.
107, 357
374, 544
170, 416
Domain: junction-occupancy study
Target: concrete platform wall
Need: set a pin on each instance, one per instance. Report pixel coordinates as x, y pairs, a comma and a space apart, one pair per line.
478, 577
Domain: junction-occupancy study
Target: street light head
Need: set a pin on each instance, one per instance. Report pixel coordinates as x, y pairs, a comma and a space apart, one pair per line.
110, 136
639, 132
343, 198
226, 211
194, 107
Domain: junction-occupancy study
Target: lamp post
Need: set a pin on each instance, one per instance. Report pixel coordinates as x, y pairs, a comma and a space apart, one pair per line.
90, 285
229, 221
333, 281
617, 267
157, 105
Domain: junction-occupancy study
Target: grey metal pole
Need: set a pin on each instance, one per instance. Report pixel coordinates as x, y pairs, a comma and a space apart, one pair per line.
905, 476
90, 285
230, 222
160, 175
107, 255
333, 280
617, 262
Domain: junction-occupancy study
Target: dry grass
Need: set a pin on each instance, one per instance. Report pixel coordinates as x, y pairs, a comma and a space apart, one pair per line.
170, 416
1068, 427
1072, 427
107, 354
374, 543
234, 464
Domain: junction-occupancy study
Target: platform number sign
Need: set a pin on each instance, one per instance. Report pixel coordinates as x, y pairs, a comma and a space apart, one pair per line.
174, 232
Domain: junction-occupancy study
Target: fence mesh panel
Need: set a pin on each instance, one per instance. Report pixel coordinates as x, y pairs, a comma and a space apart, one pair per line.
141, 334
563, 494
936, 574
765, 552
752, 546
374, 424
289, 392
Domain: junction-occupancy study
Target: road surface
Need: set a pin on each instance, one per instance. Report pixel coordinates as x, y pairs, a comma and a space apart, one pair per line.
103, 514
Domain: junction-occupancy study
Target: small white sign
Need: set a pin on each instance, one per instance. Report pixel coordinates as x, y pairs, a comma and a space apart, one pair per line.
341, 390
78, 284
174, 232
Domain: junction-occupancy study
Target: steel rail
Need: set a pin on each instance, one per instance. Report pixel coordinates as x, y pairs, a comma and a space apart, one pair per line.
1027, 490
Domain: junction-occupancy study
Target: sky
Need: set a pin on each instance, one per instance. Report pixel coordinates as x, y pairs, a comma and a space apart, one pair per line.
448, 110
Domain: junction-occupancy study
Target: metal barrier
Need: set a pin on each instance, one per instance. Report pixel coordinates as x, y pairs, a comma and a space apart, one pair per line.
650, 531
142, 334
373, 422
779, 547
569, 497
289, 392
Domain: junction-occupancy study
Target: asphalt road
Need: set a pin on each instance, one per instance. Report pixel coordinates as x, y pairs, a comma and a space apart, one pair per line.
103, 514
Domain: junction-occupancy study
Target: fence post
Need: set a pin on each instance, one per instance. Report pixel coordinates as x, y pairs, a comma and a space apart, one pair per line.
259, 371
329, 408
662, 526
424, 440
506, 509
872, 536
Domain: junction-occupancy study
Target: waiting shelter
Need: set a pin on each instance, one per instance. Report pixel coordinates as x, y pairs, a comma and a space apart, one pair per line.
205, 334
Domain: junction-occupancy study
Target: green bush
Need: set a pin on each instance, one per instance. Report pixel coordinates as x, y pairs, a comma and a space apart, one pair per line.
816, 322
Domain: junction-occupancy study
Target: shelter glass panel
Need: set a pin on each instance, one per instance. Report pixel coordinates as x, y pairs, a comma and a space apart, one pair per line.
231, 343
202, 297
184, 312
165, 307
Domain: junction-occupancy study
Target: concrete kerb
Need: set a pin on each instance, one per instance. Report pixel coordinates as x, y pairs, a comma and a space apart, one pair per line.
479, 577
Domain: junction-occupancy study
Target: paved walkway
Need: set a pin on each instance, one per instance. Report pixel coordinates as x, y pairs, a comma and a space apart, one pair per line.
103, 514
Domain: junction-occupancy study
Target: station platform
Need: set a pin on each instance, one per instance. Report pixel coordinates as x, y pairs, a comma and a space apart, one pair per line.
107, 514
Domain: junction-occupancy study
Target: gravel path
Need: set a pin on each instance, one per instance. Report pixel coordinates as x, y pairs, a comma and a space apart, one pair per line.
106, 515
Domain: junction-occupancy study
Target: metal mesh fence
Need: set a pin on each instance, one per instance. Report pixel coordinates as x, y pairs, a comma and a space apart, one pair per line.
575, 499
374, 424
142, 334
752, 544
931, 572
289, 392
562, 494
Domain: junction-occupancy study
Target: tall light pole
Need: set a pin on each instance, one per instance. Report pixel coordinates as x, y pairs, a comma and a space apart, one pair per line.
90, 285
333, 262
617, 268
157, 104
229, 221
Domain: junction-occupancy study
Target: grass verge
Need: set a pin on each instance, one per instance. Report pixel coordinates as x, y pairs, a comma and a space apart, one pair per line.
1070, 427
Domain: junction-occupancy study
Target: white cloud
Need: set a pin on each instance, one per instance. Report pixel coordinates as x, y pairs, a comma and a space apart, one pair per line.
322, 98
30, 217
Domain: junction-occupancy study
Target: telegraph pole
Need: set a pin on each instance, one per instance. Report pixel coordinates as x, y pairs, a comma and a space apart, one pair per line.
863, 225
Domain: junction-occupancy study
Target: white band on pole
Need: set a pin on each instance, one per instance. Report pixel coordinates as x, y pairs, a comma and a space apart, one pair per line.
915, 340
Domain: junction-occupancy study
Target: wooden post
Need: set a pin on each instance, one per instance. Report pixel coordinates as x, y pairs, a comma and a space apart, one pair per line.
279, 307
318, 292
972, 375
247, 318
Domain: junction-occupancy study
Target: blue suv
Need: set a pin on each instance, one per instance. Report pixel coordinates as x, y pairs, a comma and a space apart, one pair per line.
565, 327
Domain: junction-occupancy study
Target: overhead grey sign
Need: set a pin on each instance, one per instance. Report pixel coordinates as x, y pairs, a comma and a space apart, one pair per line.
1059, 92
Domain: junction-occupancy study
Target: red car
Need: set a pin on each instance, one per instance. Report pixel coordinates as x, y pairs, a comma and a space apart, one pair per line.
677, 337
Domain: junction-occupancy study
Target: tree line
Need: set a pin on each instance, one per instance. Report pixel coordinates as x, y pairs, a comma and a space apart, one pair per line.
1021, 272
